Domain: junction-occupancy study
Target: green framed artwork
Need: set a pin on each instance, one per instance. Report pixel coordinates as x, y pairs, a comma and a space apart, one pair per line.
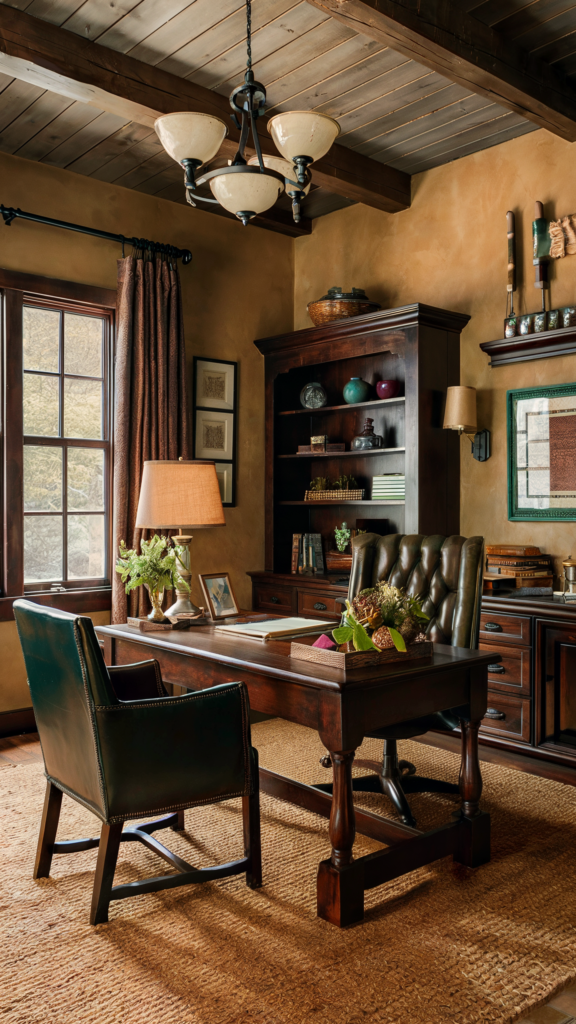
542, 453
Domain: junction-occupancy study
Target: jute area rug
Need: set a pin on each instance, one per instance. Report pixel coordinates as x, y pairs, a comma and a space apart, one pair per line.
442, 944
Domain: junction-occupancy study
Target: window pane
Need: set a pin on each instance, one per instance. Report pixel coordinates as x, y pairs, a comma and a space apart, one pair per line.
85, 479
41, 405
42, 548
83, 345
42, 478
41, 338
82, 408
85, 547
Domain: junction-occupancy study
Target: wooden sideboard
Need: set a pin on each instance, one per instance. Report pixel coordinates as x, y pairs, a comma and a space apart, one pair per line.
532, 690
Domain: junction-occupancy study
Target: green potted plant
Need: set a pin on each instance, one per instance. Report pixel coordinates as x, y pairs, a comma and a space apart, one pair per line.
156, 568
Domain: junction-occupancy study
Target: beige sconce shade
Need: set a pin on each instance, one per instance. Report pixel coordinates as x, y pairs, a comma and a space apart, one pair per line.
303, 133
179, 494
190, 136
460, 411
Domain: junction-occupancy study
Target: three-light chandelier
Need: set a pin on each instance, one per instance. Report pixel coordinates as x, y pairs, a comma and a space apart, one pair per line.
248, 187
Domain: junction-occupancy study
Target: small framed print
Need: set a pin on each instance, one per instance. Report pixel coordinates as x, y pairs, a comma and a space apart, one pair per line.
225, 474
214, 435
215, 420
214, 384
217, 590
541, 445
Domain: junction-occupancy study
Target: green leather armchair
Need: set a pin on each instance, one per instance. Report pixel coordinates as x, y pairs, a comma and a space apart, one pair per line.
113, 740
445, 574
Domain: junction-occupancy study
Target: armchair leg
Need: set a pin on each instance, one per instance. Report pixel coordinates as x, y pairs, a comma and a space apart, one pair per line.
179, 826
105, 867
48, 828
251, 821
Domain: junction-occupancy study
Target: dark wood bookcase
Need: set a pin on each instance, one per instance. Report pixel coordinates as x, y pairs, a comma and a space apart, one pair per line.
417, 345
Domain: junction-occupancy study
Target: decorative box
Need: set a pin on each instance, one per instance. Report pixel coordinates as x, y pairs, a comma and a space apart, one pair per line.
318, 444
359, 659
334, 495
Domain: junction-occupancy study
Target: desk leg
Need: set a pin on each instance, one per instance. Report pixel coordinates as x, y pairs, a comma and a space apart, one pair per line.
474, 846
340, 884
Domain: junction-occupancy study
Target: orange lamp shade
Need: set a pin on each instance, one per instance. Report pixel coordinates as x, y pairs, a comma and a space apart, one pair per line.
179, 494
460, 411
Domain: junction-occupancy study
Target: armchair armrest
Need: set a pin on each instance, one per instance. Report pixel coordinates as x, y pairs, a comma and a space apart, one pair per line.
168, 753
142, 679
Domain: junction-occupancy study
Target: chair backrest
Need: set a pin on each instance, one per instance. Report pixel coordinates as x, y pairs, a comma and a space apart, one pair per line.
67, 678
445, 573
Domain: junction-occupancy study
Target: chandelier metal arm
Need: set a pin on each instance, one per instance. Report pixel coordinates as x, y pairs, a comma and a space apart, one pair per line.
256, 138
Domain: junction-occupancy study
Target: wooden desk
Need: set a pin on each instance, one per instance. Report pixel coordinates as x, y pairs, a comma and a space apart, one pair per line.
343, 708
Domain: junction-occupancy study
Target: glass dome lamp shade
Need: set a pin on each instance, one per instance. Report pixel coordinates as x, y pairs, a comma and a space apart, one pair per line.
191, 139
244, 191
303, 136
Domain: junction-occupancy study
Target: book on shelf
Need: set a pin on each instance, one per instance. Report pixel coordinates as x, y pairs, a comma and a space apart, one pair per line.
505, 570
516, 562
511, 549
307, 555
273, 629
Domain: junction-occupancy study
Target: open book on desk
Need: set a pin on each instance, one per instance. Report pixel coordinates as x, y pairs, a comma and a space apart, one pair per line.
275, 629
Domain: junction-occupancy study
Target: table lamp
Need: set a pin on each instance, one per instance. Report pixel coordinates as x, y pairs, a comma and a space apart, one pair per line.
183, 496
460, 415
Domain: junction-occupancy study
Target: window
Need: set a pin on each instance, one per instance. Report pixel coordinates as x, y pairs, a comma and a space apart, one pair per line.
57, 444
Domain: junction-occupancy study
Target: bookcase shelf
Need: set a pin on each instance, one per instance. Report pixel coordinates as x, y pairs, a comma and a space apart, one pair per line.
418, 346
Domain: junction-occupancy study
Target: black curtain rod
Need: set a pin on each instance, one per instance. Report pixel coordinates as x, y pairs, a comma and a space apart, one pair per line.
9, 213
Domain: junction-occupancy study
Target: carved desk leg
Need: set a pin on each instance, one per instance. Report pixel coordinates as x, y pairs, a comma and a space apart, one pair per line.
340, 885
475, 836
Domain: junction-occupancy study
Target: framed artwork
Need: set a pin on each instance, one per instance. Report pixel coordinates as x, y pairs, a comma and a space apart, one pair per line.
215, 420
217, 590
541, 447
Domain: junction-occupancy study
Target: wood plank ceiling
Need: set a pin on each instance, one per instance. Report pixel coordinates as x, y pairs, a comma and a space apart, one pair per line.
390, 108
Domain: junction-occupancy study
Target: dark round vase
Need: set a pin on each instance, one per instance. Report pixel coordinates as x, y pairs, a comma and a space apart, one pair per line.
387, 388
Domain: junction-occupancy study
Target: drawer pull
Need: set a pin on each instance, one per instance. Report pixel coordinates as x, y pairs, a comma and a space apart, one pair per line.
320, 607
493, 713
497, 669
493, 627
275, 600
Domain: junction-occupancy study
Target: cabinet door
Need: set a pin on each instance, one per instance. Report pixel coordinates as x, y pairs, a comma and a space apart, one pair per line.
556, 683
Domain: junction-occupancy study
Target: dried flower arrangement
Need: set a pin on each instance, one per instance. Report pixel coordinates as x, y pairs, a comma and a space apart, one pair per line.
379, 618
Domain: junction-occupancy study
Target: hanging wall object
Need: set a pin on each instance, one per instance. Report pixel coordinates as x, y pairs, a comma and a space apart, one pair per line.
215, 420
541, 443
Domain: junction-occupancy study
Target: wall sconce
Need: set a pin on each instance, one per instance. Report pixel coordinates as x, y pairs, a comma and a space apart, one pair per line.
460, 415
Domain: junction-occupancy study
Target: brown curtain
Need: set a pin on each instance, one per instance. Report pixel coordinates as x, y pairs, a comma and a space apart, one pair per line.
151, 419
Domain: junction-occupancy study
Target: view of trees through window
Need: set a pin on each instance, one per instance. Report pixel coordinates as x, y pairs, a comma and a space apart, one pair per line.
65, 445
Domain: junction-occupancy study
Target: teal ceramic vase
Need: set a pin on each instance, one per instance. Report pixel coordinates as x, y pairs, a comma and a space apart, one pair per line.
356, 390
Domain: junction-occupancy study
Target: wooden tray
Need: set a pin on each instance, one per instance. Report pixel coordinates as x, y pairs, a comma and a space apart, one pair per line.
145, 626
359, 659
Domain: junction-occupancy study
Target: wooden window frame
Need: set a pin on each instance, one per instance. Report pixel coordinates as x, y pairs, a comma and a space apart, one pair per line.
18, 290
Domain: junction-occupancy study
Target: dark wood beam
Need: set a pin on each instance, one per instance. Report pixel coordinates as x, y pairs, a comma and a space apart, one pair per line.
55, 59
443, 37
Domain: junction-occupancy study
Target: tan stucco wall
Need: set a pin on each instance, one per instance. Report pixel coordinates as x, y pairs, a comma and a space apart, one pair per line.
449, 250
238, 287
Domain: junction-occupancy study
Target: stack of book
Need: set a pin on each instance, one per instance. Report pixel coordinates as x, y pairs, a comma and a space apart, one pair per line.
307, 557
391, 486
510, 566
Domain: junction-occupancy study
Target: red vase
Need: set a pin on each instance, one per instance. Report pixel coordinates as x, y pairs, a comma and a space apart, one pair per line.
387, 388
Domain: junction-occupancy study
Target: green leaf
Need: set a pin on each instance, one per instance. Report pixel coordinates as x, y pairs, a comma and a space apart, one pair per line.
362, 641
342, 634
398, 639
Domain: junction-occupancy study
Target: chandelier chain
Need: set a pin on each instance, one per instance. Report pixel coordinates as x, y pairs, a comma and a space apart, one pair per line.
249, 34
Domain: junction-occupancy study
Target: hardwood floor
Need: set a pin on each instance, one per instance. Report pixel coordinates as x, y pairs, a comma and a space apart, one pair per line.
560, 1010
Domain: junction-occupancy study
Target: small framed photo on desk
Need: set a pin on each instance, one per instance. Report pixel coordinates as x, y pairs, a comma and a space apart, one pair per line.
217, 590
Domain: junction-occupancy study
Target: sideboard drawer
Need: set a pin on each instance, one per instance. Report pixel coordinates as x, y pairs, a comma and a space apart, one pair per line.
498, 626
273, 599
317, 605
510, 717
512, 673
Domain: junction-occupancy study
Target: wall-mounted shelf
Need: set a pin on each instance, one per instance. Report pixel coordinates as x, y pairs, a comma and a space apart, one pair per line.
364, 501
338, 408
522, 347
341, 455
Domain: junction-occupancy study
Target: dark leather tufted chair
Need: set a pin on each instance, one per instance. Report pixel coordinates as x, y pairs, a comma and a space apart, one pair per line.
445, 573
118, 744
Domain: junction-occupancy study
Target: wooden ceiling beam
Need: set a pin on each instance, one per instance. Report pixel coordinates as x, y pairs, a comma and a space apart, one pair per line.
440, 35
62, 62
